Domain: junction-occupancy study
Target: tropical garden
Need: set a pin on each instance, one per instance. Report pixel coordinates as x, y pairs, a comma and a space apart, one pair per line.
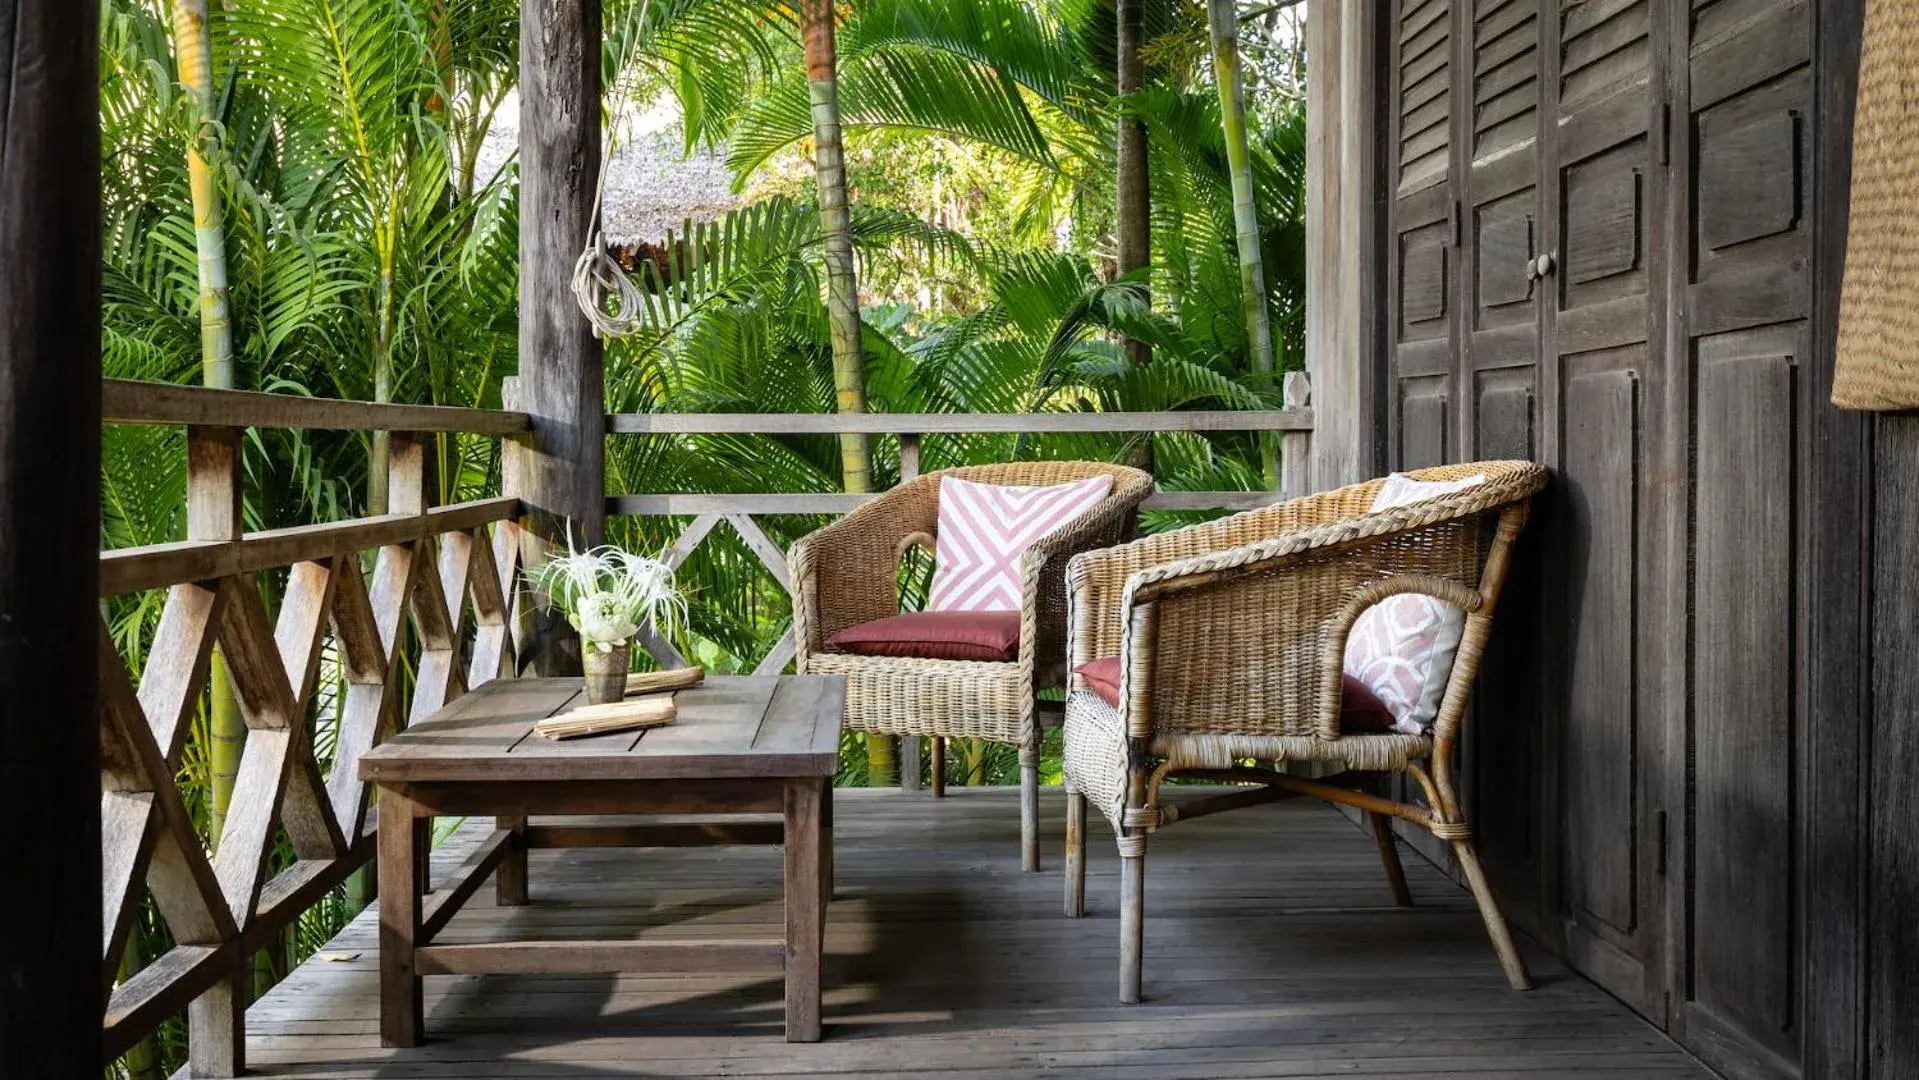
948, 206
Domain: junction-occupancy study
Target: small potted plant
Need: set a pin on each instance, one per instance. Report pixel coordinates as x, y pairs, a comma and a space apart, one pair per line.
608, 594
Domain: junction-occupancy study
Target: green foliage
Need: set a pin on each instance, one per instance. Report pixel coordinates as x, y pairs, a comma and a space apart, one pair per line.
368, 259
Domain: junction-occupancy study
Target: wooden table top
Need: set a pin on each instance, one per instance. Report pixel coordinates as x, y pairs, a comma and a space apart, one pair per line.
729, 727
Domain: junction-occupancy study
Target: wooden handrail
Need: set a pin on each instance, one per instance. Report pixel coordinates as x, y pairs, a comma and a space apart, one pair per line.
125, 401
1294, 419
126, 570
830, 502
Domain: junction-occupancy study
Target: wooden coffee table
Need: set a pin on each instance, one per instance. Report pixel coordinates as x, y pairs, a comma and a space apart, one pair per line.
754, 745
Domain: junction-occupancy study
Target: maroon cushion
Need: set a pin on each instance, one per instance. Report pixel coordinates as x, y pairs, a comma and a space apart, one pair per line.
935, 635
1102, 678
1360, 712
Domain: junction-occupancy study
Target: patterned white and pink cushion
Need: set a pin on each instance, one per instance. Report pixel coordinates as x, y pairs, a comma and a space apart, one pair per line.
1402, 647
985, 528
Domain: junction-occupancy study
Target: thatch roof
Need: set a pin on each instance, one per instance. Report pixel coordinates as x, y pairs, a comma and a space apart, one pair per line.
651, 185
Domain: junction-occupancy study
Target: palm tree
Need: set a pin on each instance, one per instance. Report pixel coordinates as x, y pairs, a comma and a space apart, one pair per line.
193, 51
1222, 23
1132, 206
842, 288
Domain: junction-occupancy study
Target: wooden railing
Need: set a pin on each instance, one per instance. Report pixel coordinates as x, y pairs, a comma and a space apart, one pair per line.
431, 567
1294, 423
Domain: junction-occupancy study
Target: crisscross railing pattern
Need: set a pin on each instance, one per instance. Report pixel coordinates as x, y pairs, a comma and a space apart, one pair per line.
447, 574
1293, 424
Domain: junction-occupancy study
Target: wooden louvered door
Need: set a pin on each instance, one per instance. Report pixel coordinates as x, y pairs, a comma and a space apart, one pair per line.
1743, 107
1602, 268
1598, 244
1423, 282
1496, 399
1423, 246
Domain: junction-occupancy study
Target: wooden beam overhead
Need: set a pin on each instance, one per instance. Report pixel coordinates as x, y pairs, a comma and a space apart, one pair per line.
51, 1007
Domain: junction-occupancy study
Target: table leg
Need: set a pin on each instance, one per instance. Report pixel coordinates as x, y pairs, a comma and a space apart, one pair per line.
403, 843
509, 881
826, 849
805, 911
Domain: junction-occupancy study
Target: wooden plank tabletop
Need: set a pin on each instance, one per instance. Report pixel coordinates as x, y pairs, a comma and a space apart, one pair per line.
728, 727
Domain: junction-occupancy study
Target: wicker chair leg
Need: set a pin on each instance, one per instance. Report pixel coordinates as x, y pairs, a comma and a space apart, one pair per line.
1029, 814
1389, 858
910, 763
1075, 854
1496, 928
1132, 918
939, 766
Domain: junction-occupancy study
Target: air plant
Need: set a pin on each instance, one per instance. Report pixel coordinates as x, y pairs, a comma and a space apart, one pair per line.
608, 594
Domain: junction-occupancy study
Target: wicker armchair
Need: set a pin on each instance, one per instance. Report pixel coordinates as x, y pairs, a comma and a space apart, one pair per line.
847, 574
1231, 637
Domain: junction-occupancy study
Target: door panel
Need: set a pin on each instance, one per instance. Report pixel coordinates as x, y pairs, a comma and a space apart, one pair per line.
1496, 376
1745, 100
1605, 192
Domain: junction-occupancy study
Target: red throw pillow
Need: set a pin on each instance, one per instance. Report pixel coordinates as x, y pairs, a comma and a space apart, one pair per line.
1102, 678
1360, 713
935, 635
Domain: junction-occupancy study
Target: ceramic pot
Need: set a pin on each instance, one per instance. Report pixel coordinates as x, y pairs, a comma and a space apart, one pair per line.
605, 673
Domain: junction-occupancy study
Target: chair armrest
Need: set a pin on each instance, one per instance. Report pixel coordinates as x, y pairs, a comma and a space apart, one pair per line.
1043, 603
847, 573
1251, 639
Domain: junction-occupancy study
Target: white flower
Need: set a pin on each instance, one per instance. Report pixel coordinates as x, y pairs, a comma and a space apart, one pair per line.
608, 594
605, 619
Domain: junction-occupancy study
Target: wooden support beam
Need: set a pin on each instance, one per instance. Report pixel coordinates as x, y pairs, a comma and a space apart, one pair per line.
1341, 248
438, 908
49, 516
561, 379
574, 833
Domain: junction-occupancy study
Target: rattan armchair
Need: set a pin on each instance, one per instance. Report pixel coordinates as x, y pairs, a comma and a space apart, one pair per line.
1231, 637
847, 574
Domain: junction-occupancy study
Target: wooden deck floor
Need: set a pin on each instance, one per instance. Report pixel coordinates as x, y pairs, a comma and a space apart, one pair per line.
1271, 950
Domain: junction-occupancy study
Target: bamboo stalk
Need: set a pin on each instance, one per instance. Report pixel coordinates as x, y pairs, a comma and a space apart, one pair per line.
1223, 26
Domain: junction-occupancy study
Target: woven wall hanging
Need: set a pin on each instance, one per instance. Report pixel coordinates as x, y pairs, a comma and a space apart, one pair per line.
1878, 362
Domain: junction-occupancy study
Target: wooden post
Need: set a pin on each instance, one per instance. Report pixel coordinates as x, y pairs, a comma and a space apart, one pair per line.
1340, 160
561, 471
1296, 447
216, 1020
49, 518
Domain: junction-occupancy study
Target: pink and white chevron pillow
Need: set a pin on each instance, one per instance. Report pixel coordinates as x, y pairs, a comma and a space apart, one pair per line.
985, 528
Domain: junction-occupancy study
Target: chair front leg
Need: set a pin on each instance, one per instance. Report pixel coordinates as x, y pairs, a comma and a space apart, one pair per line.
1132, 879
1509, 958
1450, 825
1075, 854
1029, 807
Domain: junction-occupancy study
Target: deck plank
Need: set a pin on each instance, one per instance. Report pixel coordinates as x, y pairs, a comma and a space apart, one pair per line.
1273, 948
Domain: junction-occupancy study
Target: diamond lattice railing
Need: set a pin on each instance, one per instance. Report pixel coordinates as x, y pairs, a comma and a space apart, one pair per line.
455, 589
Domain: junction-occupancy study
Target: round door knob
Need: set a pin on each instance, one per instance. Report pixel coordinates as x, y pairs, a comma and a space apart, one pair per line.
1543, 265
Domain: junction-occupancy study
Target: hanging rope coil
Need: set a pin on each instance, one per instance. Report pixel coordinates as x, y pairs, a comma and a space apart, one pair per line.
606, 294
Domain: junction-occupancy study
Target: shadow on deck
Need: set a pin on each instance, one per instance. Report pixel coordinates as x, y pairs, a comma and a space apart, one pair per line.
1272, 949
